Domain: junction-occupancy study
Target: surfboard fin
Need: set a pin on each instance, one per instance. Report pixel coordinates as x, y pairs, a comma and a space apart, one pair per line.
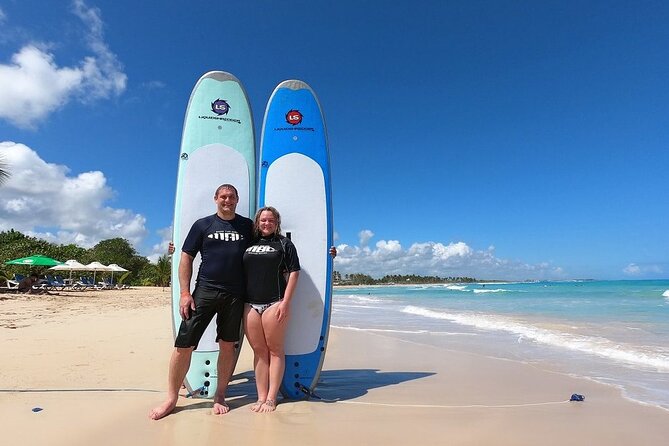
311, 394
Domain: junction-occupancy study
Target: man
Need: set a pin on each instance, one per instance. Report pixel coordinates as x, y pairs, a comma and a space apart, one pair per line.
28, 285
221, 240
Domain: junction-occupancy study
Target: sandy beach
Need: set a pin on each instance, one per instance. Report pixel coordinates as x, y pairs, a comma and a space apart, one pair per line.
96, 363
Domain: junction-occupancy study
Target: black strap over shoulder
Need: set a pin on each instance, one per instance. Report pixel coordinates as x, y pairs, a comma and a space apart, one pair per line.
284, 243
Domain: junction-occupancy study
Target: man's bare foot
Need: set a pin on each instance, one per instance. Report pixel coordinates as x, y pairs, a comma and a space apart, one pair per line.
256, 406
220, 406
163, 410
267, 406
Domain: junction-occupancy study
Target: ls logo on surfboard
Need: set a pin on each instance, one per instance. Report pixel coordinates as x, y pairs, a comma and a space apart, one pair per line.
220, 107
293, 117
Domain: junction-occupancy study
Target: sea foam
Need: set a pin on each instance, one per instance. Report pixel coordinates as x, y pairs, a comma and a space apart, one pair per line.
495, 290
587, 344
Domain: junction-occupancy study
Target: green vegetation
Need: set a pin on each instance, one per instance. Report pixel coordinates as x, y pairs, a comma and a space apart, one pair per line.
14, 244
395, 279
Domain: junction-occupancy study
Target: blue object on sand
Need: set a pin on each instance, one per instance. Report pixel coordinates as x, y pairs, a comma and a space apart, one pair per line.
37, 409
577, 397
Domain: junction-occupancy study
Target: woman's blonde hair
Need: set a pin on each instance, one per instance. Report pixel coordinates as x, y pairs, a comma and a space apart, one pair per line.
256, 221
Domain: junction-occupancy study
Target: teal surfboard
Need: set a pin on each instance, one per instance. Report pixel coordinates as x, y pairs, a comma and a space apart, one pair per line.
295, 179
217, 147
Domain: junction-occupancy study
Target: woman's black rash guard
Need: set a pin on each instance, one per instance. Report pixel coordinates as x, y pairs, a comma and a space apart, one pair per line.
265, 261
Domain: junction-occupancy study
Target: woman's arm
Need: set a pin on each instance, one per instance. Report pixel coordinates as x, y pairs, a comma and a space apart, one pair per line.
284, 306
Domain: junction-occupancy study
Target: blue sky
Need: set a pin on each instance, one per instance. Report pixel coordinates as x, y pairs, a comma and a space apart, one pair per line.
500, 140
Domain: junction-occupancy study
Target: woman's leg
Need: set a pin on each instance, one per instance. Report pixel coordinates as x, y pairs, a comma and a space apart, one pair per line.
254, 333
275, 333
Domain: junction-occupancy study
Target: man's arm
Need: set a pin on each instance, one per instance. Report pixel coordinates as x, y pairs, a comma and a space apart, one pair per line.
186, 303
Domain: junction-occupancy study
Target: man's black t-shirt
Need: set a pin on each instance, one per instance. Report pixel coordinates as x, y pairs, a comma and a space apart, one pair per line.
265, 262
221, 243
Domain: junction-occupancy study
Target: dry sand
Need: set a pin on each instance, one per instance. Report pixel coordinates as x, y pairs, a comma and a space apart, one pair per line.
96, 363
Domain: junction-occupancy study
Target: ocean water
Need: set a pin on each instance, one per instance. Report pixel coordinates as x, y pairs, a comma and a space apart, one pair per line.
614, 332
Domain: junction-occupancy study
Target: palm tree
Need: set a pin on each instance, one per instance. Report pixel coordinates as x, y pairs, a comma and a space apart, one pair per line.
163, 271
4, 172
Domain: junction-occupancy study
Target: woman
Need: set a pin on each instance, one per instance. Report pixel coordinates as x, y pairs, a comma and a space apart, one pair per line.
272, 269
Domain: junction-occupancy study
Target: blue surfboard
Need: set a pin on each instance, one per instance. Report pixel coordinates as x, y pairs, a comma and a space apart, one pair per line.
217, 147
295, 179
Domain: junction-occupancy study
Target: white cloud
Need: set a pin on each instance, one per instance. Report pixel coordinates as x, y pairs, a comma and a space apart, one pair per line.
433, 258
632, 270
388, 249
103, 73
642, 270
160, 248
43, 200
365, 236
32, 85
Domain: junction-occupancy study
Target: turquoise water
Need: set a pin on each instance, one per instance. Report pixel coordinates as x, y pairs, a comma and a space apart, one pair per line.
615, 332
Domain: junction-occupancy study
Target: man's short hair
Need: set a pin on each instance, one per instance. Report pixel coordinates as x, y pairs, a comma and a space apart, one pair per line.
226, 186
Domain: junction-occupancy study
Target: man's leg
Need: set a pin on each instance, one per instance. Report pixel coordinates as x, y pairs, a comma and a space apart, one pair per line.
179, 364
226, 365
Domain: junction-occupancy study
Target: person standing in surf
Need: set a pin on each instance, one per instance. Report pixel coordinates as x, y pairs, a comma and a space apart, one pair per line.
272, 268
221, 239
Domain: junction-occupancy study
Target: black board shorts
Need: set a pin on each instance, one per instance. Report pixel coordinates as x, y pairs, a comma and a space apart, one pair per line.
228, 309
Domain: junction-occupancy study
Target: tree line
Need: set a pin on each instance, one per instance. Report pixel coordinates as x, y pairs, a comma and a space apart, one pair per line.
364, 279
14, 244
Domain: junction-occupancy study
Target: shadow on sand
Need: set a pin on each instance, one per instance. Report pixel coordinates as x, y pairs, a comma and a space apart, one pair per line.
334, 385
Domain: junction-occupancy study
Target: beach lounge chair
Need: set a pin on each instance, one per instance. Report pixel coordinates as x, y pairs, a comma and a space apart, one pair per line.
81, 284
12, 286
121, 286
106, 284
67, 284
54, 284
41, 286
87, 282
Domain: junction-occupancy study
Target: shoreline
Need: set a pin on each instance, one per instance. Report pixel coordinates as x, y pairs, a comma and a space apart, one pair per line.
388, 389
617, 339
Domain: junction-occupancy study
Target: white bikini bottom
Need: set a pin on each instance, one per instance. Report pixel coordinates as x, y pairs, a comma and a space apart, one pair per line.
260, 308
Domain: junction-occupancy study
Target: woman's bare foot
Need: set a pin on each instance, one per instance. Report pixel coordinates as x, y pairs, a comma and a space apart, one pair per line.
163, 410
256, 406
267, 406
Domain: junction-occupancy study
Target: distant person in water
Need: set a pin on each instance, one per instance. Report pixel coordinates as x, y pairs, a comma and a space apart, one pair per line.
219, 291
